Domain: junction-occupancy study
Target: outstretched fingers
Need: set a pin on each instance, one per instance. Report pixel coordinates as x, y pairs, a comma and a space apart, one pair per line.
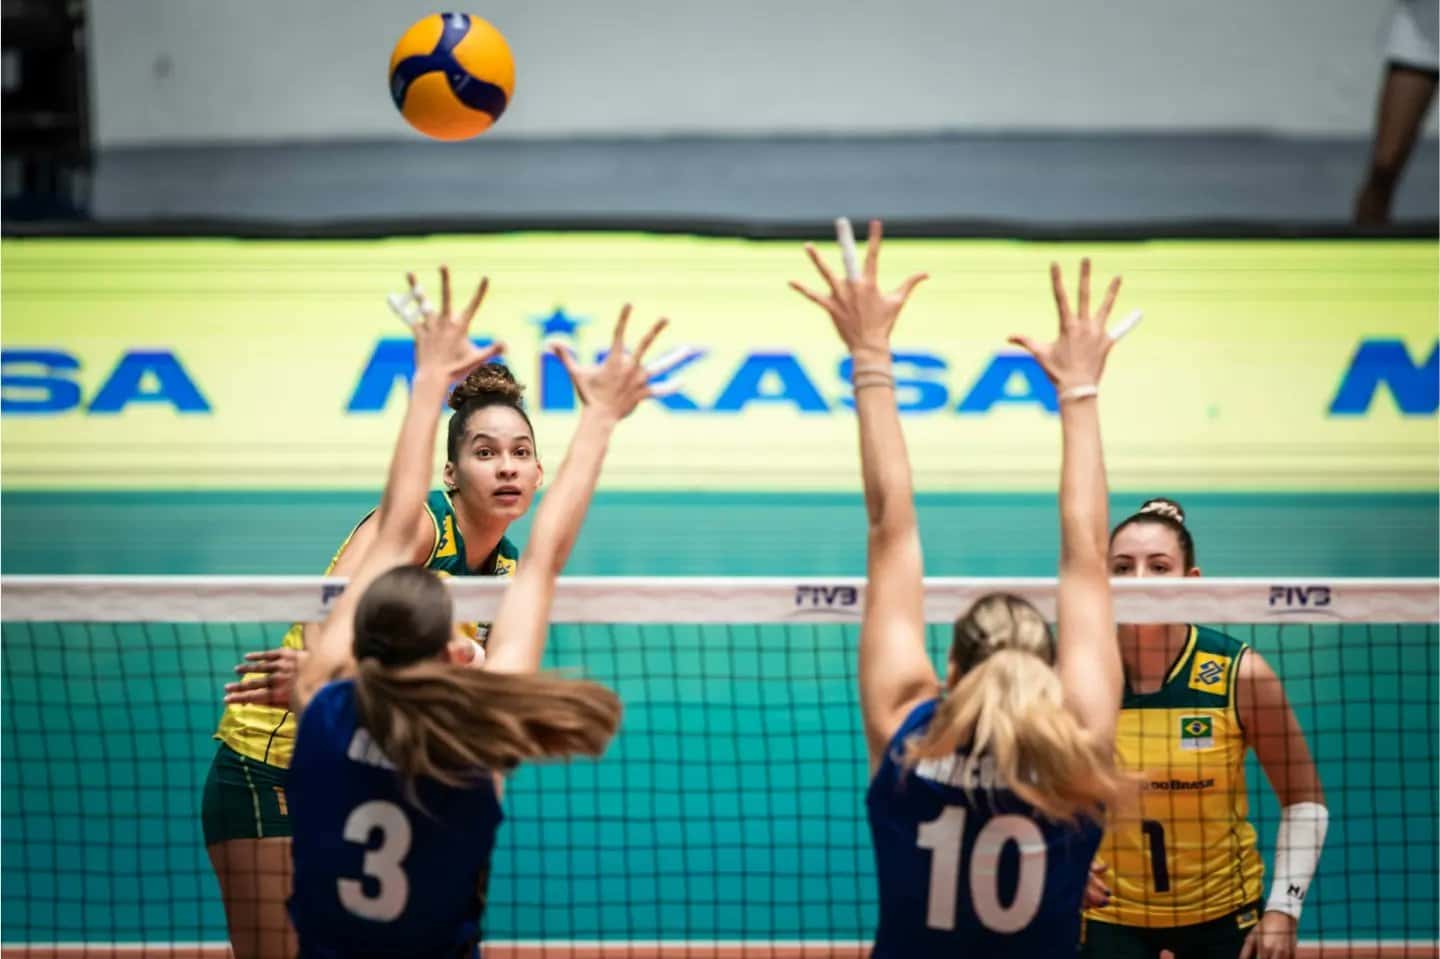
811, 295
830, 280
566, 356
649, 338
909, 285
473, 306
1057, 287
617, 343
872, 251
1111, 291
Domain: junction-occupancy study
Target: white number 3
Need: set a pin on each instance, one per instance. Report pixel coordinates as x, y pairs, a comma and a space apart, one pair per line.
382, 864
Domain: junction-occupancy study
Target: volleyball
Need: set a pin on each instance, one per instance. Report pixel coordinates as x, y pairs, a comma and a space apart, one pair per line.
451, 76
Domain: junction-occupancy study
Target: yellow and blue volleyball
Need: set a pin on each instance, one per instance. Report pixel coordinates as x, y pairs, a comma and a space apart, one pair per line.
451, 76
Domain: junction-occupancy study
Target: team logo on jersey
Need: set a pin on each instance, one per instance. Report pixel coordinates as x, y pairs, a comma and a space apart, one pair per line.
1210, 673
504, 566
446, 545
1197, 732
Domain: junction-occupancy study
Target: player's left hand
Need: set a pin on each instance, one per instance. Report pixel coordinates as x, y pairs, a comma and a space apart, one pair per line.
617, 384
864, 315
1272, 938
442, 338
269, 676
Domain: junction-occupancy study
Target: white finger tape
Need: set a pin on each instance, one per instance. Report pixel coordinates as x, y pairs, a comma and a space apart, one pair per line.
845, 236
1126, 325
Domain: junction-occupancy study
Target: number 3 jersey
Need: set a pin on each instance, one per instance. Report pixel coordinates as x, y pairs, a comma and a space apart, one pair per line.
374, 875
1188, 854
974, 872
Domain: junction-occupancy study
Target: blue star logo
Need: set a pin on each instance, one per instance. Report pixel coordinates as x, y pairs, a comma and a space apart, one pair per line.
558, 323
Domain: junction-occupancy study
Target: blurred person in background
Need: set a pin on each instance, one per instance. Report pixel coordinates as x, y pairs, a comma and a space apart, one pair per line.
1412, 59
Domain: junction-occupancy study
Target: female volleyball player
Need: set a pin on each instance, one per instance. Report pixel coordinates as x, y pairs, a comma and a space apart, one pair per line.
395, 780
986, 790
1184, 871
490, 478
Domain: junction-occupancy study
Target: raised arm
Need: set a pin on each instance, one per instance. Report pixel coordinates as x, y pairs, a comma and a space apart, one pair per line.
443, 354
895, 669
1087, 654
610, 391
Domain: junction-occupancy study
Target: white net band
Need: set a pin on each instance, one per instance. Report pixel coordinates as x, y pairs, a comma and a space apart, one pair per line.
682, 600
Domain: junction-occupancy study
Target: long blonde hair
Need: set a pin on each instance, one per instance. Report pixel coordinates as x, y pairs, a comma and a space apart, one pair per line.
1008, 704
435, 720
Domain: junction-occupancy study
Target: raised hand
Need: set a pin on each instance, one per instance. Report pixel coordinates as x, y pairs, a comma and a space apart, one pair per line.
442, 339
862, 313
1075, 360
616, 386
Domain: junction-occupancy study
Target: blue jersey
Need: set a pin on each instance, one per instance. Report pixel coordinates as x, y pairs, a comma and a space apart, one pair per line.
374, 875
970, 875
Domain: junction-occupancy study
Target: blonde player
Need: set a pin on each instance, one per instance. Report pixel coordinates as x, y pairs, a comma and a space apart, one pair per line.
1184, 872
987, 789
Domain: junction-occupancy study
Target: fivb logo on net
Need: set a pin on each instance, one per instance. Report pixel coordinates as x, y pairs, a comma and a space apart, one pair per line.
1293, 598
841, 600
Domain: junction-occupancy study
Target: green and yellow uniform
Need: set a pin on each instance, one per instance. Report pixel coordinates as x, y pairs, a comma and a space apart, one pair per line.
1187, 856
244, 794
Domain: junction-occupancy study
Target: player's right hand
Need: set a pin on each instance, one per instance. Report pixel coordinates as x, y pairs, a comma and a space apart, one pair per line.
1077, 357
268, 676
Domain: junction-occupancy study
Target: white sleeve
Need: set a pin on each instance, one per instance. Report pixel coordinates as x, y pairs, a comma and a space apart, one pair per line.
1297, 854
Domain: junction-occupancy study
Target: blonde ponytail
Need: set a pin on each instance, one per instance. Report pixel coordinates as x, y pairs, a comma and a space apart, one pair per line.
1010, 707
437, 721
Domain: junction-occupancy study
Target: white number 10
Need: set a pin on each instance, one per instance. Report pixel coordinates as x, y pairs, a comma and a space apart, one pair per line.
942, 836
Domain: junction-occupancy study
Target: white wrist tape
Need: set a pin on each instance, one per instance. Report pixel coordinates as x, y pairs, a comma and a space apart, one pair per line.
1079, 392
1297, 854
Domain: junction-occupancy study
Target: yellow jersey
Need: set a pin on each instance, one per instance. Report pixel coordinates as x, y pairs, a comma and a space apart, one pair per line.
267, 733
1188, 854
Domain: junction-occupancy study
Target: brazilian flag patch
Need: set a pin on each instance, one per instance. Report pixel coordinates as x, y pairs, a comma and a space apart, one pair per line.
1197, 732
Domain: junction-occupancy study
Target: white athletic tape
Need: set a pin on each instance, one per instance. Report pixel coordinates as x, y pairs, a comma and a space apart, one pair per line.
400, 305
1126, 325
845, 236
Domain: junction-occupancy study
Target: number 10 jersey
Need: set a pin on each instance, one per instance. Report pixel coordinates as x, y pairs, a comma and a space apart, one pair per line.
970, 871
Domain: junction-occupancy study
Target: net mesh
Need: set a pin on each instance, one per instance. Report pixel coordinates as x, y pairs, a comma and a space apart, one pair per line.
726, 819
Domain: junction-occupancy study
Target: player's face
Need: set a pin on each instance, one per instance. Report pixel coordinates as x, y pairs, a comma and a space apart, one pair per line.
1147, 549
496, 470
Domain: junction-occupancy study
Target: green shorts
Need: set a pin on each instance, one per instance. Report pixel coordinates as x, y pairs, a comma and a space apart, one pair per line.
1220, 938
244, 799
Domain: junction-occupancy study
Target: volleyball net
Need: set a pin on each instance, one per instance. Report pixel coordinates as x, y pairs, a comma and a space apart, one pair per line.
728, 816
